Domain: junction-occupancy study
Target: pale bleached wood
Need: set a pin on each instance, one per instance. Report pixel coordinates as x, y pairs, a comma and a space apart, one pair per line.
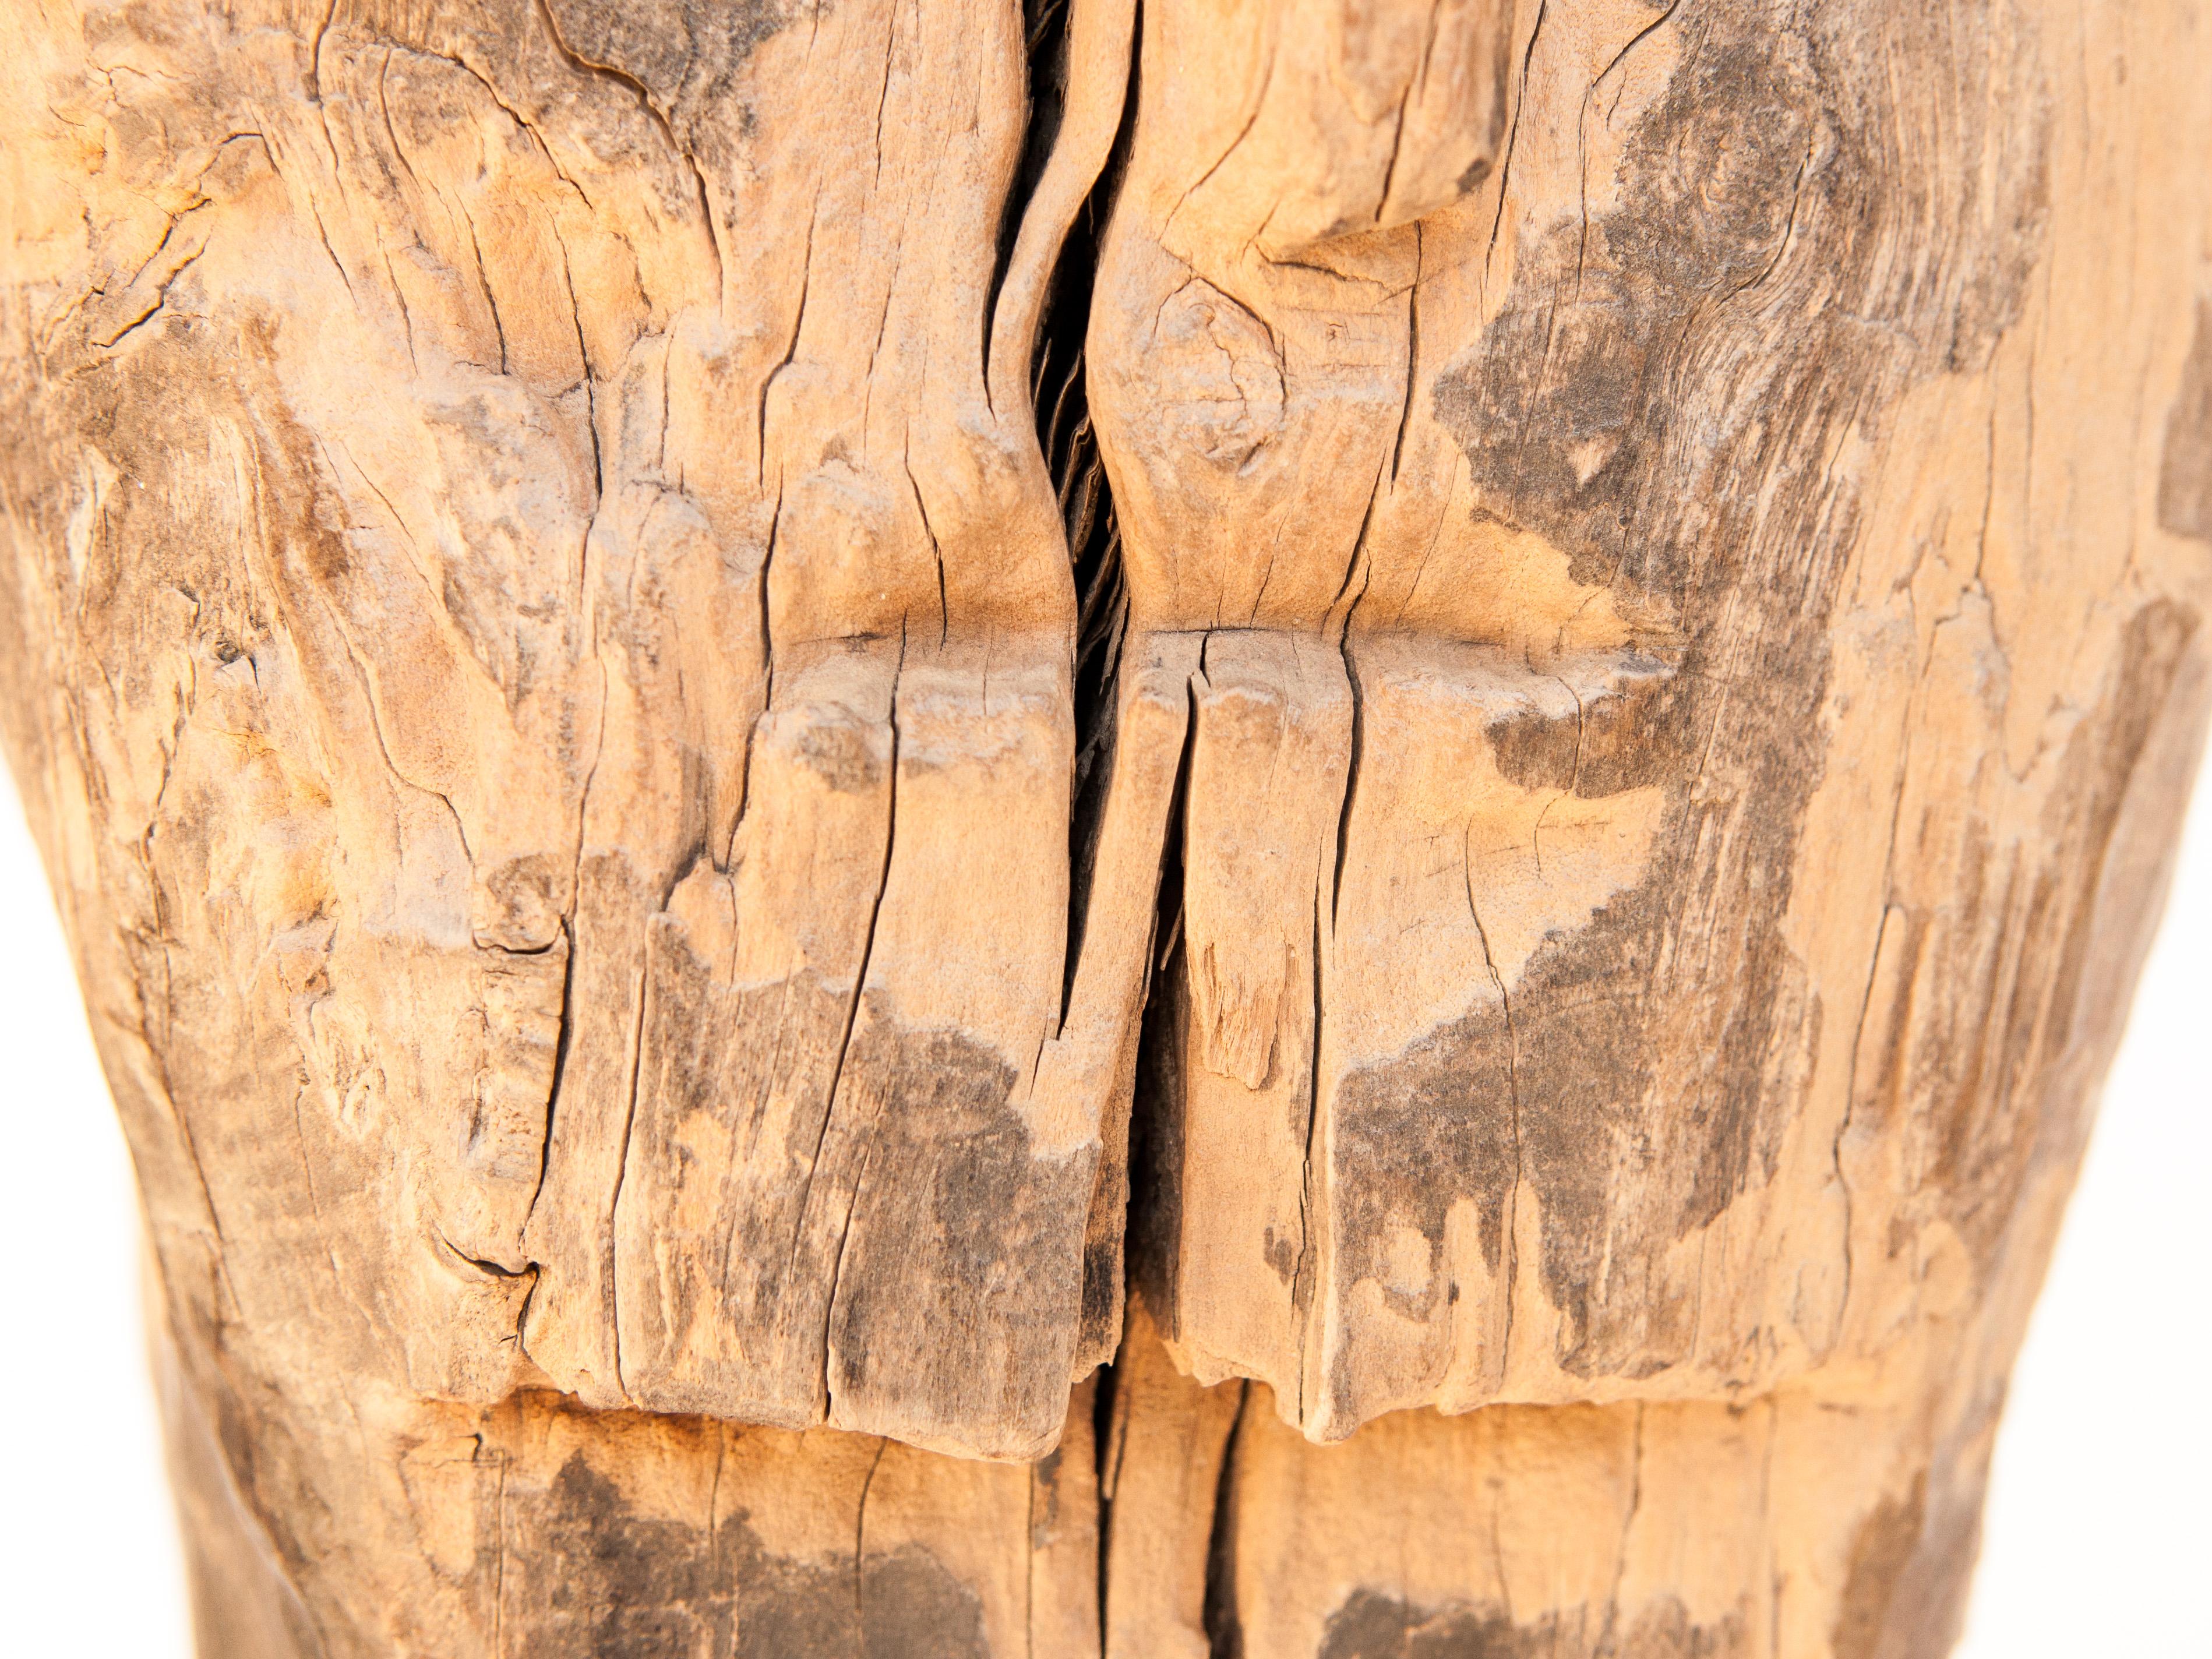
671, 915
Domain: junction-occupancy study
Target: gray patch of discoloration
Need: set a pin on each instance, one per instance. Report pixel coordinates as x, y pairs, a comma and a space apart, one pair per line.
1417, 1135
1660, 395
1879, 1554
791, 1609
733, 1094
1911, 1563
842, 754
1614, 742
585, 1575
598, 1578
960, 1269
1371, 1625
688, 56
910, 1606
1664, 1630
2184, 474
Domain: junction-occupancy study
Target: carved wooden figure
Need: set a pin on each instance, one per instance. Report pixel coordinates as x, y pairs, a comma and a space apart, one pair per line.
1301, 829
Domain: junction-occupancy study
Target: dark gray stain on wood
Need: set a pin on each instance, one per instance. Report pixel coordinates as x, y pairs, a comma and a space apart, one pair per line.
789, 1609
1416, 1135
1664, 1629
1879, 1554
1372, 1625
1383, 1627
743, 1299
585, 1574
1912, 1564
1615, 741
687, 58
595, 1578
910, 1606
2184, 474
960, 1277
1664, 395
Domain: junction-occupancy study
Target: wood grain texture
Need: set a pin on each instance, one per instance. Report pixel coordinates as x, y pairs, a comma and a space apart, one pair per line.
765, 726
1672, 521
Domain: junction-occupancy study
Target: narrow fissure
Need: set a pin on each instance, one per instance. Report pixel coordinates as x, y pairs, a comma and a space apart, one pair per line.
1224, 1631
1153, 1218
845, 1048
1058, 394
622, 1173
1105, 1455
562, 1041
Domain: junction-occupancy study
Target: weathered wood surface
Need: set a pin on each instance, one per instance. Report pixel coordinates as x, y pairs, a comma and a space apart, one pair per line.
1511, 743
1174, 1521
1620, 594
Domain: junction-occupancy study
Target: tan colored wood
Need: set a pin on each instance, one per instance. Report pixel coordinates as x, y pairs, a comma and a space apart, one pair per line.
1646, 555
765, 727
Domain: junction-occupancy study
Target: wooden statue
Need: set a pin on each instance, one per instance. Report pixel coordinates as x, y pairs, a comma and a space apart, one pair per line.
1300, 828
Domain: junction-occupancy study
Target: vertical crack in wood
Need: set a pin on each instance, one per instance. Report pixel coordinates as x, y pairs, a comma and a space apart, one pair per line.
830, 1113
1224, 1629
1094, 539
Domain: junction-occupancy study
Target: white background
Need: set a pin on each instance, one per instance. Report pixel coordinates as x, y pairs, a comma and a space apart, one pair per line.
2097, 1525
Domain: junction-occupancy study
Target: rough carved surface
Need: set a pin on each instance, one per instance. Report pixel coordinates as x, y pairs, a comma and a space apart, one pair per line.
736, 704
